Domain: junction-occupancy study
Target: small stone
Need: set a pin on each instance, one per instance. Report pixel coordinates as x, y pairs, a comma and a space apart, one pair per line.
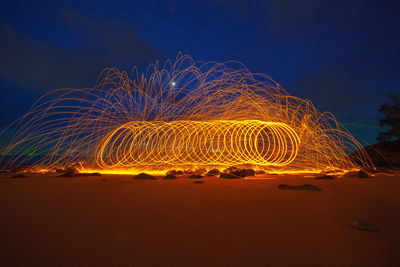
69, 174
144, 176
175, 172
364, 226
72, 174
326, 177
213, 172
308, 187
200, 171
229, 176
233, 171
230, 169
91, 174
198, 182
169, 177
70, 171
350, 174
195, 176
103, 180
188, 172
239, 172
244, 173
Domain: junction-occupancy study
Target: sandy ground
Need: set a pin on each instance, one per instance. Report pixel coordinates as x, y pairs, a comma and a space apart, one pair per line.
49, 221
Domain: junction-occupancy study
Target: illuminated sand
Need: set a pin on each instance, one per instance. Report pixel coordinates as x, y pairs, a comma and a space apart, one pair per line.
49, 221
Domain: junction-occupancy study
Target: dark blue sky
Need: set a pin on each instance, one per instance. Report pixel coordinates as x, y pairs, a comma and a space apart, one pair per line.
343, 55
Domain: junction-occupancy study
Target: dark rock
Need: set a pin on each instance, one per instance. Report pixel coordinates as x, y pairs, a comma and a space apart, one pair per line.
200, 171
70, 174
60, 170
90, 174
244, 173
188, 172
103, 180
169, 176
257, 172
19, 176
144, 176
213, 172
230, 169
229, 176
350, 174
71, 171
308, 187
175, 172
328, 172
239, 172
364, 226
326, 177
195, 176
198, 182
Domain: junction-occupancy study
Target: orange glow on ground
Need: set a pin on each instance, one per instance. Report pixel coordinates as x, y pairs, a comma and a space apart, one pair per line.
162, 172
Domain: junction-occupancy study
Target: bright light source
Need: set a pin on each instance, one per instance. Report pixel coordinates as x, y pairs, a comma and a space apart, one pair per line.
173, 83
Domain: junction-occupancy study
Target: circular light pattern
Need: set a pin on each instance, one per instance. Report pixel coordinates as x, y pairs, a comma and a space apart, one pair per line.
220, 142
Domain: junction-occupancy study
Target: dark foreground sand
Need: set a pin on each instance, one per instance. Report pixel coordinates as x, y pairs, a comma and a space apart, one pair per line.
48, 221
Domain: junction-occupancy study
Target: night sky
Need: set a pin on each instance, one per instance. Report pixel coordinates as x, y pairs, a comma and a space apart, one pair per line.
343, 55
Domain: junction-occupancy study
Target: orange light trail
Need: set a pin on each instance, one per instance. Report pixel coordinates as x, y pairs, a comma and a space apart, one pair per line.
183, 114
220, 142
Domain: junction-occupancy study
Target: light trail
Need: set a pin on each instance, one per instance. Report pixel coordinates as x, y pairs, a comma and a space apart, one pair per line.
220, 142
183, 114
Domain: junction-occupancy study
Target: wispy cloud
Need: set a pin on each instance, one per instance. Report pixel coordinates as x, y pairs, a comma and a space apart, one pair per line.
41, 65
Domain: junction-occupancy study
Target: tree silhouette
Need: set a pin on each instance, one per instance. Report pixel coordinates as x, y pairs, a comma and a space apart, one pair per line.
391, 118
